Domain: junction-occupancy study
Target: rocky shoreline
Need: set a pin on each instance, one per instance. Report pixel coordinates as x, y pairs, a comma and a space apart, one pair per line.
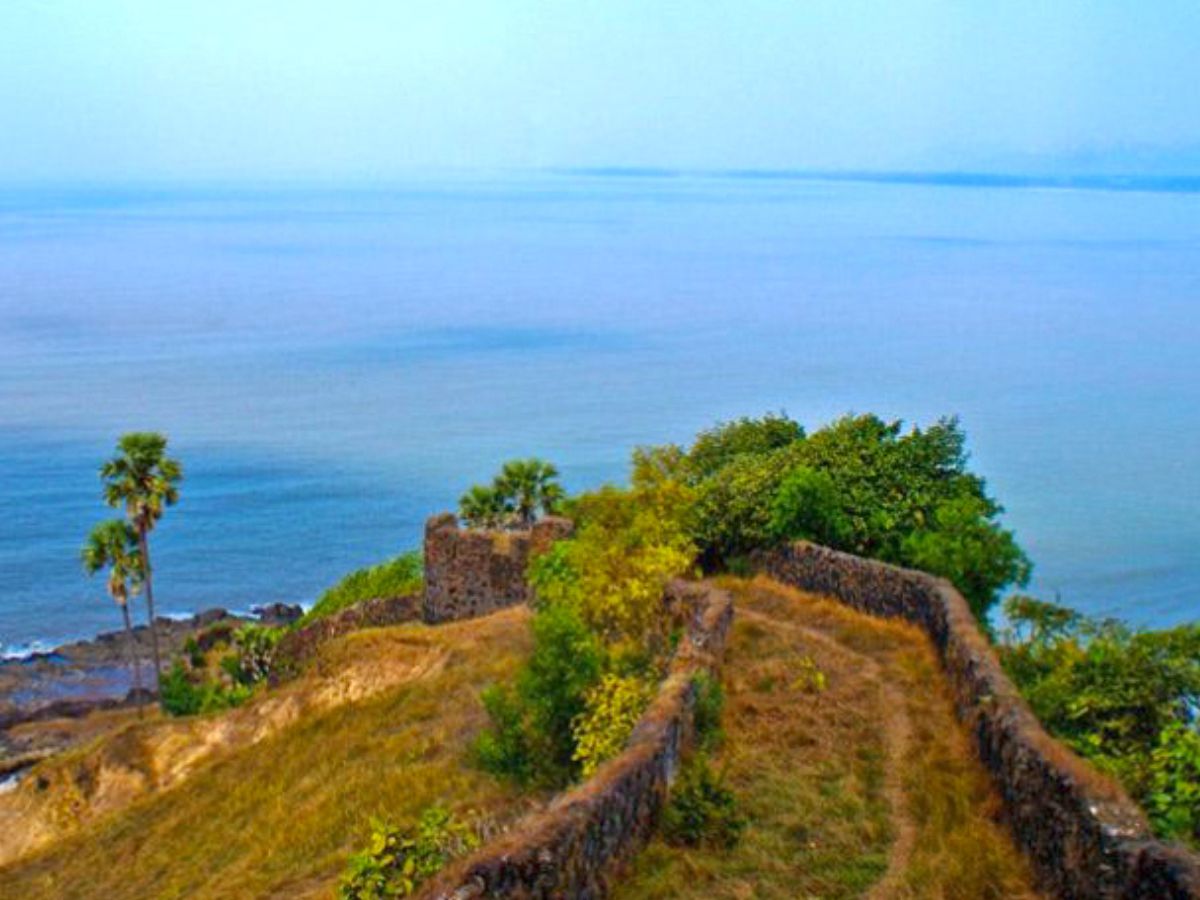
83, 677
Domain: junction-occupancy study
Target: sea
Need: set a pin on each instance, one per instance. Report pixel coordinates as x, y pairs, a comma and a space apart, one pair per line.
334, 363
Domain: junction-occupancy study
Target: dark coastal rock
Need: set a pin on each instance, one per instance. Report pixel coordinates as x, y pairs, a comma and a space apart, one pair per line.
275, 614
85, 675
59, 709
220, 632
207, 617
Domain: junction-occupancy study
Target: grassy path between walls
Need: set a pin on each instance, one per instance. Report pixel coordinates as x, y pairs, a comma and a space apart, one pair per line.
865, 787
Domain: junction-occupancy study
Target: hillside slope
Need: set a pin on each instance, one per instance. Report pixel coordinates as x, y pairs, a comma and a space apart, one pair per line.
274, 796
841, 744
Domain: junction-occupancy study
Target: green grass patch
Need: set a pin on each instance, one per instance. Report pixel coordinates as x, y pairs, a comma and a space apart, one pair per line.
401, 575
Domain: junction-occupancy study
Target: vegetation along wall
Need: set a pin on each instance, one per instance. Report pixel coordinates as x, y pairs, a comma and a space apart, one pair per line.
472, 572
296, 647
578, 843
1086, 838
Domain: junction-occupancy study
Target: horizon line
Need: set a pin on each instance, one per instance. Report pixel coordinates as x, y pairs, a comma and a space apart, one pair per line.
1155, 183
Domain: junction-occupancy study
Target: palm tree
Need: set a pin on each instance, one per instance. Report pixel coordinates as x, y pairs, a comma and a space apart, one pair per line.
483, 507
531, 485
144, 480
113, 545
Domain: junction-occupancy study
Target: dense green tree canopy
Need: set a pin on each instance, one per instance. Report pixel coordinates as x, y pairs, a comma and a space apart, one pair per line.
859, 484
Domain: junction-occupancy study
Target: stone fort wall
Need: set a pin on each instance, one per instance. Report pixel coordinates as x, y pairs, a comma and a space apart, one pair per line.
1086, 838
578, 845
471, 572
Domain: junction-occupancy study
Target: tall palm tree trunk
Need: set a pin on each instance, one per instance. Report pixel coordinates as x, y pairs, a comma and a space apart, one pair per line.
133, 656
144, 546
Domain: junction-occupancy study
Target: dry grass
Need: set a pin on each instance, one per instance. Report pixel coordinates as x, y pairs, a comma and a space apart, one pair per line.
280, 816
866, 788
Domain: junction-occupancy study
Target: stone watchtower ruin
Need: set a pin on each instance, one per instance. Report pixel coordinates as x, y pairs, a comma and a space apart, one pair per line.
470, 572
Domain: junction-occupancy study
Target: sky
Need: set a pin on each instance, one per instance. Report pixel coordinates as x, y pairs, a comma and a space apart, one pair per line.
367, 89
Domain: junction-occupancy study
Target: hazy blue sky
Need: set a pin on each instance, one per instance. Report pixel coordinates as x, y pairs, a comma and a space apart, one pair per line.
366, 89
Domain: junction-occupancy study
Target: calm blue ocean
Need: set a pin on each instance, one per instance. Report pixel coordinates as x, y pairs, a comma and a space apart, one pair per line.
333, 365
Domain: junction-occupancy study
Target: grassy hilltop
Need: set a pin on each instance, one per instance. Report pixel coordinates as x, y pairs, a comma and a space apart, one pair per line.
829, 762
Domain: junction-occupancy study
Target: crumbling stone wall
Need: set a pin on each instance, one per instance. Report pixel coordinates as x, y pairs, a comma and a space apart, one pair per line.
471, 572
576, 846
297, 647
1086, 838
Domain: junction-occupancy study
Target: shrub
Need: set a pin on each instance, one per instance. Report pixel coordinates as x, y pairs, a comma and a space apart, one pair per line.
599, 612
706, 714
396, 862
505, 747
177, 694
613, 707
1125, 699
531, 736
251, 663
702, 810
553, 576
627, 545
809, 677
1173, 791
807, 505
718, 446
182, 694
566, 662
194, 652
397, 577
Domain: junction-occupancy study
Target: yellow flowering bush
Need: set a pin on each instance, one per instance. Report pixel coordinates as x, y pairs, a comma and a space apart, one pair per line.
629, 543
613, 708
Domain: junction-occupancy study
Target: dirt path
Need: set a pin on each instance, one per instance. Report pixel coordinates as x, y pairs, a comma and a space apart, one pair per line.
845, 755
898, 731
897, 737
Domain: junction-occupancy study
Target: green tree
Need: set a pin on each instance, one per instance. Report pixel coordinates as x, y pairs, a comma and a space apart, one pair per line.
113, 545
524, 489
965, 546
807, 506
860, 484
718, 446
1122, 697
143, 480
531, 486
733, 507
483, 506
